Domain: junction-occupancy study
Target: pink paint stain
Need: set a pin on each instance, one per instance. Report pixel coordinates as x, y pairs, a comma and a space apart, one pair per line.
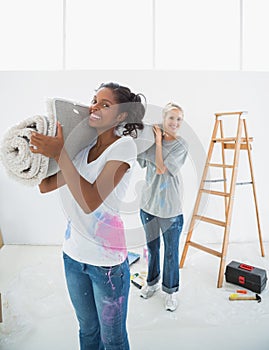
109, 278
110, 231
111, 309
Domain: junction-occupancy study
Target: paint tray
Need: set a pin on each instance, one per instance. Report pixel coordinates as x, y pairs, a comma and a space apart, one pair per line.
133, 257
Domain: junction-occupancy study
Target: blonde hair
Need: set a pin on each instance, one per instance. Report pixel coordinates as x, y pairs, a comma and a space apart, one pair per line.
169, 106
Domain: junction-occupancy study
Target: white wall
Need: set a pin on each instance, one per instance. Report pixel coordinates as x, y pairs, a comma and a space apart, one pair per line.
27, 217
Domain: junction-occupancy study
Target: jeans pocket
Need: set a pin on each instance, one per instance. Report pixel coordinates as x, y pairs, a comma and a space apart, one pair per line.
176, 221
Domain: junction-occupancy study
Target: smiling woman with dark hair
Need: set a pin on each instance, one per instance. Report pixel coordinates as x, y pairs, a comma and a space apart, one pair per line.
95, 253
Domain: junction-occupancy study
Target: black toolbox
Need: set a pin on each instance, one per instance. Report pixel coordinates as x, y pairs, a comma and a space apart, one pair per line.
249, 277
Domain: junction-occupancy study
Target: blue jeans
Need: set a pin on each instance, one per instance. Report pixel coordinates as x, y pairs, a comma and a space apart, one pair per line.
171, 229
100, 299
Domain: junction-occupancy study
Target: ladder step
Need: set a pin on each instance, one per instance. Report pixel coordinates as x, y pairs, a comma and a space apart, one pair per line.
220, 165
232, 146
205, 249
244, 183
232, 139
211, 221
216, 180
217, 193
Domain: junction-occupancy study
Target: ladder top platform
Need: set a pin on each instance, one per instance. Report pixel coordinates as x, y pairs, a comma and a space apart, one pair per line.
230, 113
232, 139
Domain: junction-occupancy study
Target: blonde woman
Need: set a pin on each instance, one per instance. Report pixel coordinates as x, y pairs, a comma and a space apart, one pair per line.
161, 207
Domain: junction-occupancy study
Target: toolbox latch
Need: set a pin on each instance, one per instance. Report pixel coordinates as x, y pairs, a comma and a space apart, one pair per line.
241, 279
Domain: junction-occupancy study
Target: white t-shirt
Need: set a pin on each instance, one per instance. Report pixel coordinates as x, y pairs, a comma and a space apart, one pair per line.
98, 238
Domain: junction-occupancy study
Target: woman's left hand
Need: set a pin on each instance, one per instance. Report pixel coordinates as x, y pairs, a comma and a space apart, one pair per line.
49, 146
158, 133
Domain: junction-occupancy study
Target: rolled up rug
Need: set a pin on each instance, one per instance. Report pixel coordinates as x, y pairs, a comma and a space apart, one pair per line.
21, 164
31, 168
74, 118
78, 134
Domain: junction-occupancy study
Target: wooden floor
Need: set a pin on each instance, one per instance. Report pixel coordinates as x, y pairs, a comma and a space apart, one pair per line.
37, 314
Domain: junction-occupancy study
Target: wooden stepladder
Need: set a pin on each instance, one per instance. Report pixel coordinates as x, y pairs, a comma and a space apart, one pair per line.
242, 141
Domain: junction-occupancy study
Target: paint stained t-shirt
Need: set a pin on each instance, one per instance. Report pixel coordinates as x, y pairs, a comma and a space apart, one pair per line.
98, 238
162, 194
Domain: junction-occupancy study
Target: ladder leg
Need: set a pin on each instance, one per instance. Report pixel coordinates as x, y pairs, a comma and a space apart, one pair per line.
254, 190
224, 169
187, 243
230, 205
226, 203
198, 199
192, 223
223, 256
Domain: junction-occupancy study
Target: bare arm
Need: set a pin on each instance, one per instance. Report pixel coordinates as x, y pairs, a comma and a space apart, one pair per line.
88, 196
50, 147
91, 196
52, 182
160, 167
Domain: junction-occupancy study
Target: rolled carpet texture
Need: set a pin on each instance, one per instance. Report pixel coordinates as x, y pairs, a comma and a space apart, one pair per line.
21, 164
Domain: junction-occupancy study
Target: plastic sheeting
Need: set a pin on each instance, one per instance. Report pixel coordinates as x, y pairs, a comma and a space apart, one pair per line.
35, 293
38, 315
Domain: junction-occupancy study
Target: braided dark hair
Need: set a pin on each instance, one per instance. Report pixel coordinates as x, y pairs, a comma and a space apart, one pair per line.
128, 102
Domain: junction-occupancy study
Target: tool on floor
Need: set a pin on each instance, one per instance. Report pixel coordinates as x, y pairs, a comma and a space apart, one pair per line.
241, 142
241, 291
236, 296
134, 275
232, 290
137, 280
138, 285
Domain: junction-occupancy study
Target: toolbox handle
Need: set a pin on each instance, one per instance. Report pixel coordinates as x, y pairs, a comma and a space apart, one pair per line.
246, 267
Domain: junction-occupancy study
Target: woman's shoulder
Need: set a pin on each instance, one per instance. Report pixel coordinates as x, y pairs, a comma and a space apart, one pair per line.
179, 145
182, 142
125, 144
127, 138
83, 152
123, 141
179, 142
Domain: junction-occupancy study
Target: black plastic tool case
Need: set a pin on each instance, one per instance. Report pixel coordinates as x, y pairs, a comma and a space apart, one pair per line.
249, 277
